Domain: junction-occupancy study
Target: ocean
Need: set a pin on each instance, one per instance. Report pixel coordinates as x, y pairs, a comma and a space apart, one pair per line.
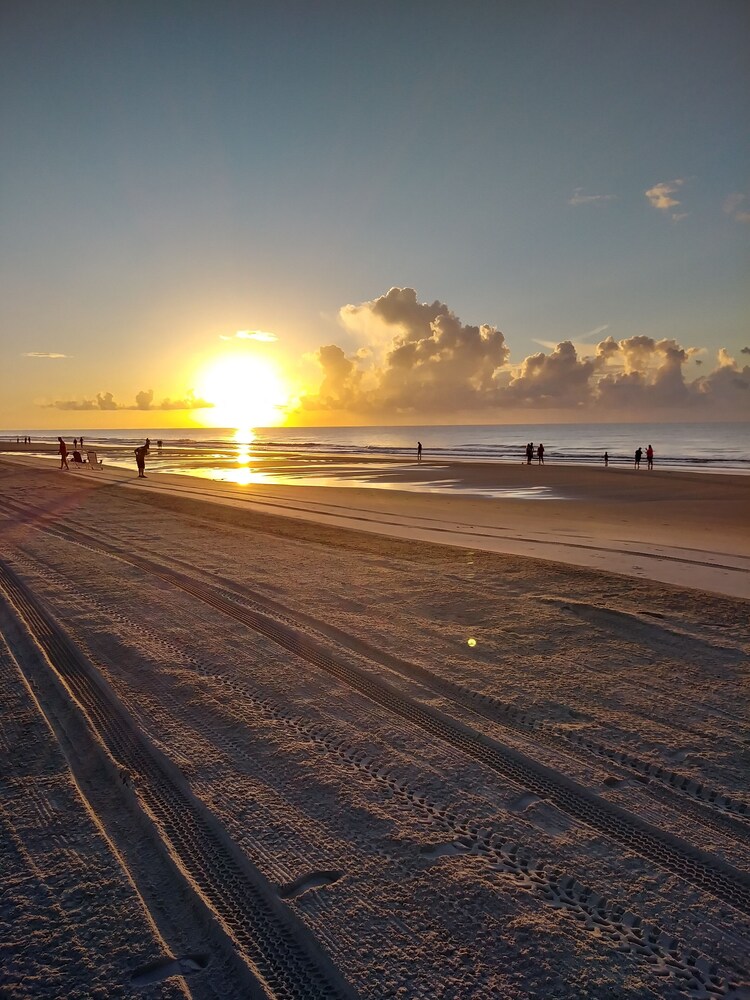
705, 447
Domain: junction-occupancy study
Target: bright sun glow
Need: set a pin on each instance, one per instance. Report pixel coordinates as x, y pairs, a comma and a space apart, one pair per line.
247, 392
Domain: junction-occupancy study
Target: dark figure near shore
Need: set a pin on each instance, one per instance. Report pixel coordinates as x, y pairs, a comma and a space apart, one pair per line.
419, 451
606, 459
158, 444
81, 445
638, 456
529, 452
649, 457
147, 445
63, 449
540, 455
140, 461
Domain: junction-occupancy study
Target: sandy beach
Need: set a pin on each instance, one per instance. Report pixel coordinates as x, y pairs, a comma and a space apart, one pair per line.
374, 730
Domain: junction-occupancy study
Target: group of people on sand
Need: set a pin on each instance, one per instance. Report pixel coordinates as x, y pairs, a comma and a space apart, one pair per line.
26, 440
63, 450
140, 454
530, 453
639, 456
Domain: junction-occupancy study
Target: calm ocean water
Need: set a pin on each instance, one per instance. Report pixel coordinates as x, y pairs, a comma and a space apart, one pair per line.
718, 447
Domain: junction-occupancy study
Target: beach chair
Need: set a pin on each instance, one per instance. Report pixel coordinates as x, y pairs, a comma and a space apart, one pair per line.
75, 462
94, 462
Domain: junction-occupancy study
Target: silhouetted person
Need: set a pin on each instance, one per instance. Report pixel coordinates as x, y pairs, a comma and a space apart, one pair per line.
529, 452
158, 444
419, 451
649, 457
63, 449
606, 459
147, 445
81, 440
540, 455
140, 461
638, 456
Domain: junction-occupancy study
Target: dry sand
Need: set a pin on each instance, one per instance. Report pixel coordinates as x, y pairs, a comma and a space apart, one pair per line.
251, 755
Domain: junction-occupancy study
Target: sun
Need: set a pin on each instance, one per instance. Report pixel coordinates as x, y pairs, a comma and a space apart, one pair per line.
246, 392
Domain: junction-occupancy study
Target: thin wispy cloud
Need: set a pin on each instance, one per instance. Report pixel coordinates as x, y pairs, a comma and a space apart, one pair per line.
579, 198
580, 343
262, 335
660, 196
44, 354
732, 202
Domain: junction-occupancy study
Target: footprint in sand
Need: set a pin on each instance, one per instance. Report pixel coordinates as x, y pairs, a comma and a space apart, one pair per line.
165, 968
315, 880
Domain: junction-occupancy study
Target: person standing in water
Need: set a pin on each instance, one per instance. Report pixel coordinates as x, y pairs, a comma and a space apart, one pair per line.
649, 457
419, 451
540, 455
638, 454
606, 459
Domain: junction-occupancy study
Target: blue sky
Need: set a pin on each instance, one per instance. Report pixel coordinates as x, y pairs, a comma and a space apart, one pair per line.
174, 172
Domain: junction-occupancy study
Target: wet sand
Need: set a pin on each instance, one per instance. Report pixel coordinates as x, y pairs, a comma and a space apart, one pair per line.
688, 529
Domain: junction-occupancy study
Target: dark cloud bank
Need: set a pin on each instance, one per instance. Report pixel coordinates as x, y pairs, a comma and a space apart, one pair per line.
430, 363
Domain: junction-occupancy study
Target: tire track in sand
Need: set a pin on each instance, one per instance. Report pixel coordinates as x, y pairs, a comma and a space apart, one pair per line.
275, 945
703, 870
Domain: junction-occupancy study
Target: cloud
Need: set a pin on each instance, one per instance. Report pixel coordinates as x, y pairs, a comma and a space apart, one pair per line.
589, 199
732, 202
660, 196
433, 360
261, 335
434, 365
580, 343
143, 401
44, 354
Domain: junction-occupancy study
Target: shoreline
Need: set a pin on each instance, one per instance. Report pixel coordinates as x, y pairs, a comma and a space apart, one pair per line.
681, 529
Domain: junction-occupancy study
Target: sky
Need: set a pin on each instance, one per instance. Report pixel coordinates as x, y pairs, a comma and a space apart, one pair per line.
332, 213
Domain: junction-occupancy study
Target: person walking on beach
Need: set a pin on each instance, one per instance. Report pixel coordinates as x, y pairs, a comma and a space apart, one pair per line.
540, 455
63, 449
419, 451
140, 461
638, 455
606, 459
649, 457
